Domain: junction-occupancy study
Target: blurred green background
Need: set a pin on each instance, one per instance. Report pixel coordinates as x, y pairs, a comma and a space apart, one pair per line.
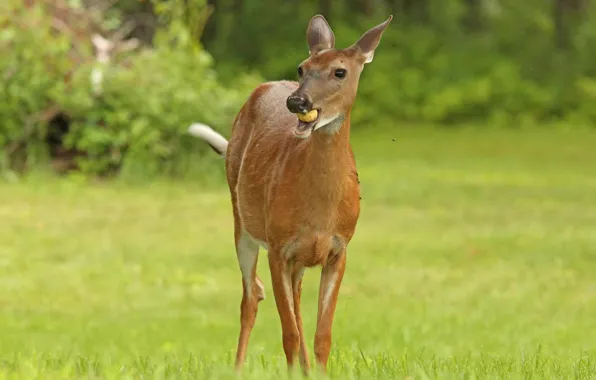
506, 63
473, 130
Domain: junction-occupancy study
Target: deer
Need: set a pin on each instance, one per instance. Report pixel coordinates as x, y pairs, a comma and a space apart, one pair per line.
294, 187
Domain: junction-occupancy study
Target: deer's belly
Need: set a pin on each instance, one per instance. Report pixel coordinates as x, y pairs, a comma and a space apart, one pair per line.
311, 247
308, 242
306, 238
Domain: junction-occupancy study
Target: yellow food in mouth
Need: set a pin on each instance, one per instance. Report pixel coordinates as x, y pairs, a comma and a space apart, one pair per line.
309, 116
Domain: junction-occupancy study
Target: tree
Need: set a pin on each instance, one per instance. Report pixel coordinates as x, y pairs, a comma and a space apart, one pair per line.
415, 11
566, 15
326, 9
473, 18
363, 7
210, 30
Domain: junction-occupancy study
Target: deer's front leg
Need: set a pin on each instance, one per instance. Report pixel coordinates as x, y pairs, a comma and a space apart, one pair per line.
281, 280
331, 277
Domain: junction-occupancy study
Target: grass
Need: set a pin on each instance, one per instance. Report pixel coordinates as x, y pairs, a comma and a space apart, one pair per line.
475, 257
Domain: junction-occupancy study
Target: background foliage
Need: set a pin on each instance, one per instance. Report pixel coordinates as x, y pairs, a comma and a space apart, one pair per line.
446, 62
139, 120
441, 61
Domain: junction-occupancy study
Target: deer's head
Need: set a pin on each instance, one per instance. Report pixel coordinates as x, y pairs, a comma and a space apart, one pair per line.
329, 77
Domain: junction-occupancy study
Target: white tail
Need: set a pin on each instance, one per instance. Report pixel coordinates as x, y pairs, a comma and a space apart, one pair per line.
214, 139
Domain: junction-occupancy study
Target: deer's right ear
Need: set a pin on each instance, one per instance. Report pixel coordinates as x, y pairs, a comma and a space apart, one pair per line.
319, 35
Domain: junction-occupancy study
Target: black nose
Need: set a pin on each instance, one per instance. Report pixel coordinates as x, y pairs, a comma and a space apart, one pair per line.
298, 104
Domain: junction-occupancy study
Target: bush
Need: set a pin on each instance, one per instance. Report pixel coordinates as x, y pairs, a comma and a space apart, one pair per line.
139, 121
33, 71
143, 114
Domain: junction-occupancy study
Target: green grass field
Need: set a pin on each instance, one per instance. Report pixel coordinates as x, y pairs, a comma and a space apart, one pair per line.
475, 257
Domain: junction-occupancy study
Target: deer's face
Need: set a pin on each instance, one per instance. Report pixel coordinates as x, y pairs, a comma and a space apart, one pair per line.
329, 77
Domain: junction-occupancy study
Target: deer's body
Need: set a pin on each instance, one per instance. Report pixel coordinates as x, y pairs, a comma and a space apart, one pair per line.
273, 175
294, 186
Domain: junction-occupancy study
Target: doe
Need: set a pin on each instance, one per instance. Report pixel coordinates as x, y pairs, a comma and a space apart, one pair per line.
294, 186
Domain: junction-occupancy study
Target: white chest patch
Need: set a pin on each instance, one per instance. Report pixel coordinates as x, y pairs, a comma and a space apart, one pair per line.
330, 124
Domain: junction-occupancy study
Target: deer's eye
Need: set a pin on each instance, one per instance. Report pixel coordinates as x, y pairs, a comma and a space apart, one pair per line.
300, 71
340, 73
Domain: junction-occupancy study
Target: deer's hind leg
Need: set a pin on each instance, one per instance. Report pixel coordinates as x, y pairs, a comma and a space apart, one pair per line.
253, 291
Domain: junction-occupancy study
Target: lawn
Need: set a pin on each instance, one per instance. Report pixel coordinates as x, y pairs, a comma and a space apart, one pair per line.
475, 257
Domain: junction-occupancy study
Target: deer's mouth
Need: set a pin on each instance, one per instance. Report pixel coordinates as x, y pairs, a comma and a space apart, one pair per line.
305, 128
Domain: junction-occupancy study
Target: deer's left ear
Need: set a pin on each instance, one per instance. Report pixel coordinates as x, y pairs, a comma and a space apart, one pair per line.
369, 41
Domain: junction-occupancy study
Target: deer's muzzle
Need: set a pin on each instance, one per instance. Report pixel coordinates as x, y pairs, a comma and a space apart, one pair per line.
298, 103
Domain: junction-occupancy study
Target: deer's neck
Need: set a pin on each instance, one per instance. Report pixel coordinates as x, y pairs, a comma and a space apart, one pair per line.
327, 162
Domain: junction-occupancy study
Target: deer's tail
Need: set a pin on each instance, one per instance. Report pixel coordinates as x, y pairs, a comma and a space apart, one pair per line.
216, 141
